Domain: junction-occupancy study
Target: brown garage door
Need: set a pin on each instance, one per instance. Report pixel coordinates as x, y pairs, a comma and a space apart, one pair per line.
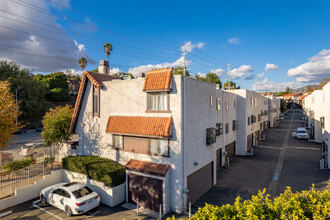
230, 148
249, 142
200, 182
148, 190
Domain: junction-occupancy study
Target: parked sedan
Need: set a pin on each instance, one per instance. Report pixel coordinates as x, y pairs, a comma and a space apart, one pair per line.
74, 198
301, 133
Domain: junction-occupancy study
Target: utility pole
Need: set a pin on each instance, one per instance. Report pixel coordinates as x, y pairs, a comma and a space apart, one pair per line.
228, 86
16, 105
184, 61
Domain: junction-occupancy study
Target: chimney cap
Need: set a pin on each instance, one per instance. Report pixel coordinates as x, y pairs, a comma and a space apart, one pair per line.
104, 63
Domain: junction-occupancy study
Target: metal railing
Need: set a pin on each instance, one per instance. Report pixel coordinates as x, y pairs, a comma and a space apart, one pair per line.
9, 182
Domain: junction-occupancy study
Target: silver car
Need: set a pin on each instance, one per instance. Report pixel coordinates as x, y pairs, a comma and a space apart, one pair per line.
301, 133
74, 198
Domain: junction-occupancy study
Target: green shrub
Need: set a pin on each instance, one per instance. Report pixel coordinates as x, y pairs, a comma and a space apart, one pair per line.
58, 95
18, 164
311, 204
97, 168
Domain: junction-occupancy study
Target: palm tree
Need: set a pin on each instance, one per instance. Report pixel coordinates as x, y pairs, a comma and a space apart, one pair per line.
83, 63
107, 49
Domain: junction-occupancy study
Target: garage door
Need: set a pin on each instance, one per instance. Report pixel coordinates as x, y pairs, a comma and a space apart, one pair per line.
249, 142
230, 148
200, 182
148, 190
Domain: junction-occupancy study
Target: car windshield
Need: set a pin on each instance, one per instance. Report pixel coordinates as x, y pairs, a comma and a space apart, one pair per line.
301, 132
82, 192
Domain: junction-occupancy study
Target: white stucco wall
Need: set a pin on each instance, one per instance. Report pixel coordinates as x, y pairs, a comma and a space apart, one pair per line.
126, 98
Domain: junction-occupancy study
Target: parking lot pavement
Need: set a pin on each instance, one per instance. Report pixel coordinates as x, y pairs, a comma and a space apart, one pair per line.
246, 175
37, 211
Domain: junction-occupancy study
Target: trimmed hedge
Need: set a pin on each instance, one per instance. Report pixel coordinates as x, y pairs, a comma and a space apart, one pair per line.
97, 168
311, 204
18, 164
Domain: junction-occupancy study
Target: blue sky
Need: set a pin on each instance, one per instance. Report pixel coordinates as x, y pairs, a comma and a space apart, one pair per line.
149, 34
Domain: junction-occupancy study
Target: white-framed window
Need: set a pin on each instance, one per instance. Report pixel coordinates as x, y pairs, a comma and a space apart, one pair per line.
117, 141
227, 104
255, 102
251, 101
158, 101
211, 104
158, 146
96, 101
218, 104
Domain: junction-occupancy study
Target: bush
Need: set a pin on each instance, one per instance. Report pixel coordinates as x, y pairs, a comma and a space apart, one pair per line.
18, 164
58, 95
97, 168
310, 204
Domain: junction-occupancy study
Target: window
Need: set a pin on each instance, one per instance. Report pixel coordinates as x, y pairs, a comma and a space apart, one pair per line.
82, 192
218, 104
251, 101
117, 141
255, 102
65, 194
234, 104
96, 101
253, 119
227, 128
235, 125
210, 136
211, 104
249, 121
219, 127
227, 104
158, 101
158, 146
259, 117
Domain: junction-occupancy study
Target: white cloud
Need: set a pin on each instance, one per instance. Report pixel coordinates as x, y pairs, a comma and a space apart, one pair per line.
143, 68
233, 40
190, 47
219, 71
242, 72
271, 67
260, 75
270, 86
200, 74
317, 68
65, 3
59, 55
115, 70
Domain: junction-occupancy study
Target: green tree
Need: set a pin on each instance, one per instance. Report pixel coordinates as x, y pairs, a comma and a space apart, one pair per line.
8, 114
57, 124
107, 47
179, 71
58, 95
288, 90
53, 80
210, 78
83, 63
30, 93
231, 84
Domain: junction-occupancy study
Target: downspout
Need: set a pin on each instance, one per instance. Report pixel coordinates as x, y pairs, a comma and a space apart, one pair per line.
184, 190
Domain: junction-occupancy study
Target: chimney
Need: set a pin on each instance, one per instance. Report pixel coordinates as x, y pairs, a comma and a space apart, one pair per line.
104, 67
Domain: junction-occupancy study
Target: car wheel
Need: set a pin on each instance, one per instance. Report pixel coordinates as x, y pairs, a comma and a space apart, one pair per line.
43, 199
68, 210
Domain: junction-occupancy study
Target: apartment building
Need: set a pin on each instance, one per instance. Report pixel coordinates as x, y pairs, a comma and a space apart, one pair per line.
317, 110
273, 110
252, 119
170, 131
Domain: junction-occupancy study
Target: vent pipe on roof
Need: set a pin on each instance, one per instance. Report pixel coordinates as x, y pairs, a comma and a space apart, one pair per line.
104, 67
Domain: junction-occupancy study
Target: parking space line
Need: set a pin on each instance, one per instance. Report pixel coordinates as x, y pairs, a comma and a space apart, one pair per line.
47, 212
269, 147
95, 213
304, 148
36, 202
5, 214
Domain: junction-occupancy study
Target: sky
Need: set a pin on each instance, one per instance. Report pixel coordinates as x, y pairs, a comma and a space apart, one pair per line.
269, 44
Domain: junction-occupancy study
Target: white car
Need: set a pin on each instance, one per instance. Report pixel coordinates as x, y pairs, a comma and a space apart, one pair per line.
301, 133
74, 198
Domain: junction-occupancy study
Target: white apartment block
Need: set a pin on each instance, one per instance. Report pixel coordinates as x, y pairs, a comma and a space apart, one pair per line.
171, 132
317, 110
273, 110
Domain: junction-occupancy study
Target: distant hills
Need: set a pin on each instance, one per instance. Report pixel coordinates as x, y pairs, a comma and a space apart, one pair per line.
304, 89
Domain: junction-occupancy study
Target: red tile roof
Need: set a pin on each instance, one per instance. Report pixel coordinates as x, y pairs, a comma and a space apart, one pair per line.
147, 167
293, 94
158, 79
302, 97
140, 126
96, 79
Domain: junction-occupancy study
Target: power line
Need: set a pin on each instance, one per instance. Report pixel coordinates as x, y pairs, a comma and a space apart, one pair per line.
74, 32
65, 42
34, 7
108, 22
